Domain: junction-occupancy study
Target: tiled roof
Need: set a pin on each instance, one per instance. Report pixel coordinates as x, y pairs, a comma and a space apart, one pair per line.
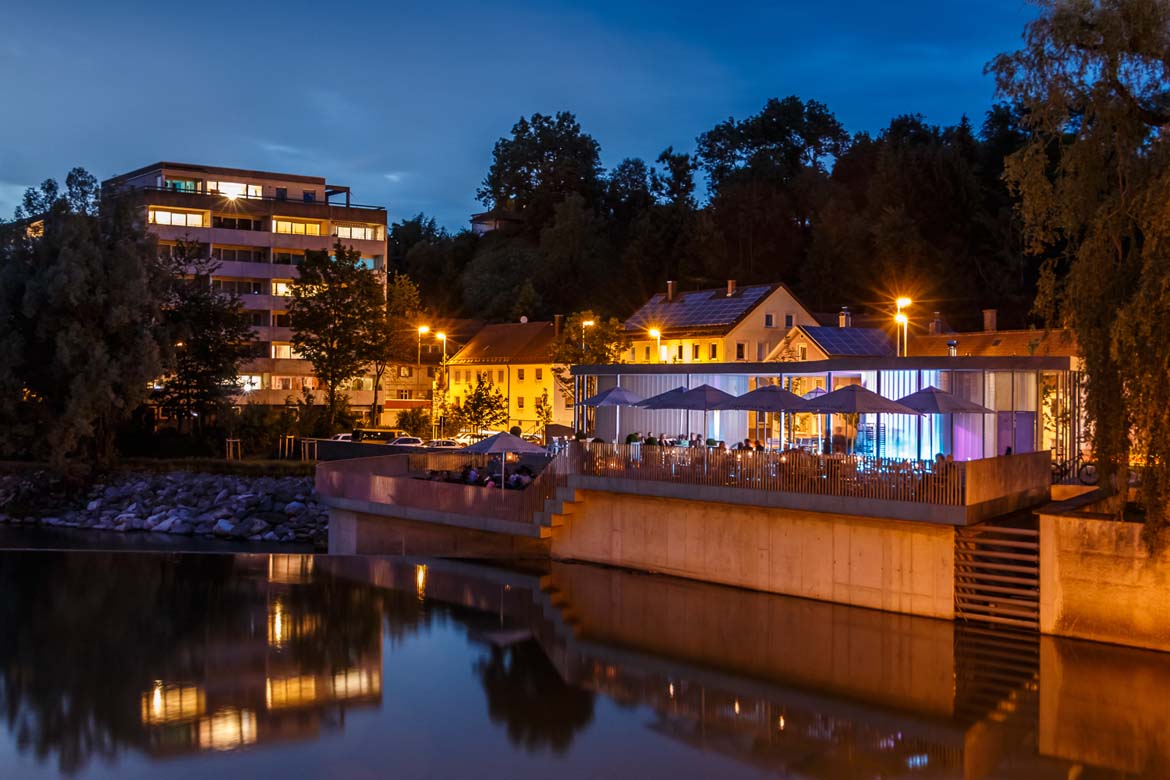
998, 343
698, 309
851, 342
513, 342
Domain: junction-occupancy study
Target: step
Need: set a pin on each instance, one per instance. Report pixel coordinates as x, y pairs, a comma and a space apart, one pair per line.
968, 555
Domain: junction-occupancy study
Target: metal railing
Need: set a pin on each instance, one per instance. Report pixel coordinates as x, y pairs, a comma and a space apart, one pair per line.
268, 198
854, 476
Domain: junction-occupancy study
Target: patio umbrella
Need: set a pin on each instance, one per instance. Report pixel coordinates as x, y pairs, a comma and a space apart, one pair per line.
501, 444
855, 399
616, 397
664, 401
768, 398
811, 395
703, 398
931, 400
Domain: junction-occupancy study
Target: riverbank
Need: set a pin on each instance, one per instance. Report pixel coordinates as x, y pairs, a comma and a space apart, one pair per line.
179, 503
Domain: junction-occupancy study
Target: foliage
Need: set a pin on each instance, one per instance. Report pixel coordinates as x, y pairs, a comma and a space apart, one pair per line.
416, 422
498, 283
391, 336
333, 302
544, 411
1093, 82
483, 408
208, 337
578, 344
80, 308
545, 159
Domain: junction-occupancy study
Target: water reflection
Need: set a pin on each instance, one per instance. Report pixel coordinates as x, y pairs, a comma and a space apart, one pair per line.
124, 658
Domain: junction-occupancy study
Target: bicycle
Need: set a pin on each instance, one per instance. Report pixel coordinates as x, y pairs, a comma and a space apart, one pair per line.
1085, 470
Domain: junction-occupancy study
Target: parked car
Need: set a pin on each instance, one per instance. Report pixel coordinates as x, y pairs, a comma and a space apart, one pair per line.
407, 441
377, 435
445, 444
533, 438
341, 437
464, 439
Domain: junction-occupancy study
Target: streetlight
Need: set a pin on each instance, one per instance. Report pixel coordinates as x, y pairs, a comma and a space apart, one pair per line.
584, 325
440, 381
422, 331
656, 334
903, 341
443, 338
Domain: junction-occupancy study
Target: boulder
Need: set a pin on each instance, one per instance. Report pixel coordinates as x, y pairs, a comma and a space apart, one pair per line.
223, 528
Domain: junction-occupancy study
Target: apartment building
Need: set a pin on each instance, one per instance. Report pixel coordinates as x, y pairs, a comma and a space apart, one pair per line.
724, 325
258, 226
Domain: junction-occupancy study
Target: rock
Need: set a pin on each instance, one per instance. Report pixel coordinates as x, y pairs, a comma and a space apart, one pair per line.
269, 537
294, 508
163, 527
221, 496
223, 528
51, 521
93, 506
180, 527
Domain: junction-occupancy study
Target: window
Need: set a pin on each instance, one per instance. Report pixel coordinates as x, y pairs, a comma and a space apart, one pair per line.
296, 227
647, 356
249, 383
282, 383
236, 223
714, 352
403, 395
500, 377
740, 350
177, 218
694, 352
363, 232
281, 287
679, 352
282, 193
308, 196
258, 319
802, 351
788, 320
283, 352
760, 350
519, 375
238, 255
405, 372
287, 258
182, 185
769, 320
282, 319
539, 375
240, 286
235, 189
430, 372
519, 402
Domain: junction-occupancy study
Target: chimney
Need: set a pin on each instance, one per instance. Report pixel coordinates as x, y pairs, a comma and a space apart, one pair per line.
730, 287
989, 320
558, 324
936, 324
845, 318
952, 348
671, 290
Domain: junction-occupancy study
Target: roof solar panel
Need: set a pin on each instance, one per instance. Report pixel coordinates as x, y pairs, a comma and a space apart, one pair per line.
699, 308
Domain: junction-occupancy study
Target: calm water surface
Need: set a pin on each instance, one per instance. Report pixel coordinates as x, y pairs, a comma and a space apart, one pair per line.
136, 665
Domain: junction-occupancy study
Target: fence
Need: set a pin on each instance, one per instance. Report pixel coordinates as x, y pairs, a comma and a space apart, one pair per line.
795, 472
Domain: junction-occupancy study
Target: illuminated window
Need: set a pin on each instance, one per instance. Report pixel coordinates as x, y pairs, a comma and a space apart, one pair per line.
354, 683
403, 395
227, 728
282, 287
249, 383
172, 704
282, 352
179, 218
362, 232
296, 227
235, 189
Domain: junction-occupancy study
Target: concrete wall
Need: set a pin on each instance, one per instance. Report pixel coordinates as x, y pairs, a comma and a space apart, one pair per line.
1098, 580
359, 533
883, 564
1005, 484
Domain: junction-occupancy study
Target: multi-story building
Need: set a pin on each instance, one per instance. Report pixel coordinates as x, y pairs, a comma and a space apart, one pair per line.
726, 325
258, 226
515, 358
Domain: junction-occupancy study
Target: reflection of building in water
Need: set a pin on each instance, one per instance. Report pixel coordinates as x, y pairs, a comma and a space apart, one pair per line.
287, 668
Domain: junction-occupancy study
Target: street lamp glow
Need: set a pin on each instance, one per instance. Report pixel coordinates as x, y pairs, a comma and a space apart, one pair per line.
656, 334
903, 302
587, 324
423, 330
901, 318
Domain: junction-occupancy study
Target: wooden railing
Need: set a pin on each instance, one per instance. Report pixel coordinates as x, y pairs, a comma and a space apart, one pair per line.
854, 476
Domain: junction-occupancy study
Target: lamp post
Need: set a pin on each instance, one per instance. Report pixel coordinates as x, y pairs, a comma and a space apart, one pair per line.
656, 334
422, 331
902, 320
584, 325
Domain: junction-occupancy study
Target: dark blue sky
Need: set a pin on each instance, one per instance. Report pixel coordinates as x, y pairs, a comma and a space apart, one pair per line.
403, 101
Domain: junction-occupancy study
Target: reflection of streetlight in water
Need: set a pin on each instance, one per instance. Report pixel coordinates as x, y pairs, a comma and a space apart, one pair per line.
420, 581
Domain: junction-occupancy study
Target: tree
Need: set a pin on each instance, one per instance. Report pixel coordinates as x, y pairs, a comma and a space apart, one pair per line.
575, 250
416, 422
545, 159
579, 344
1093, 85
544, 411
484, 407
497, 284
80, 312
391, 336
208, 337
333, 302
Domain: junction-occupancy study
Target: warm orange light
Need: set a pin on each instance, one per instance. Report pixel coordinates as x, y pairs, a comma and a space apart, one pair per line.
441, 336
903, 302
901, 318
587, 324
424, 329
655, 333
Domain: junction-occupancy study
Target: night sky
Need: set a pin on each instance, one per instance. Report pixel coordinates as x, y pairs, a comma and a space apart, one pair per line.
403, 101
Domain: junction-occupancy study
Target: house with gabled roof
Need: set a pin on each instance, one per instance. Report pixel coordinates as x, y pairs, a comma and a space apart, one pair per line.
821, 342
724, 325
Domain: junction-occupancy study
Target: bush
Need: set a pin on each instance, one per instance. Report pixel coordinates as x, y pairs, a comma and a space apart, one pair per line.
416, 422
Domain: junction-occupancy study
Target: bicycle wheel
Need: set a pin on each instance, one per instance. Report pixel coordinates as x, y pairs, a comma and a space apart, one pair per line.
1088, 474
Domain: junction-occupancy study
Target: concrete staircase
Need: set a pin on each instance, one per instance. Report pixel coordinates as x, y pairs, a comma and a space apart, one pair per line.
563, 503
